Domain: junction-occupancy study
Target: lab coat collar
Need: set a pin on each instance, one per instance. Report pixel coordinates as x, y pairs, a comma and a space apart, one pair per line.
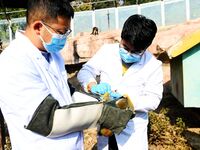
34, 53
137, 66
141, 62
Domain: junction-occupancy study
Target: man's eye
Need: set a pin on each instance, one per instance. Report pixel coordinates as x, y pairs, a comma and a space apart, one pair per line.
127, 49
59, 32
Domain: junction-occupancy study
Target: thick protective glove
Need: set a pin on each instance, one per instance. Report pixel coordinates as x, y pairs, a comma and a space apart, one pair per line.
123, 102
113, 119
101, 88
52, 120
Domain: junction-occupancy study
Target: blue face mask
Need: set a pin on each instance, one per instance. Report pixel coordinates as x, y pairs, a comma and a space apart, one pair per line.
56, 44
127, 57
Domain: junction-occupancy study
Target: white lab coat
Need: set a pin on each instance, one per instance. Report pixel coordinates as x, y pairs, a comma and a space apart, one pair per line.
26, 79
142, 82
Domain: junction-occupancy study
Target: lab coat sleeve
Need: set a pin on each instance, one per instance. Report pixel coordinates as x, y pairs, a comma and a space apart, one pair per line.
150, 97
86, 75
92, 68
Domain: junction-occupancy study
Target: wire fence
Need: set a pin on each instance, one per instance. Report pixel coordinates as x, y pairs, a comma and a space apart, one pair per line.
166, 12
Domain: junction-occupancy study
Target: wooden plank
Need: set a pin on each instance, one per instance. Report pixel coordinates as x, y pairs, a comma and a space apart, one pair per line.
191, 73
2, 132
186, 42
177, 78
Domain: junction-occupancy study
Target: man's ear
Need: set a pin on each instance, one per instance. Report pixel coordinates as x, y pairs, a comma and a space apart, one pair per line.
37, 27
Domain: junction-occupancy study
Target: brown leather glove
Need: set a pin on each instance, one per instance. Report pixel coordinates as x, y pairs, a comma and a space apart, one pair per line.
114, 119
115, 115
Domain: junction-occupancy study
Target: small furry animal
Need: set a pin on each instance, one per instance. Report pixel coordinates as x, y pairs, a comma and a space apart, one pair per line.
162, 54
95, 31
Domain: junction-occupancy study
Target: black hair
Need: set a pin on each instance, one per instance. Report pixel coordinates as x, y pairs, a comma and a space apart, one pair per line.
48, 10
139, 31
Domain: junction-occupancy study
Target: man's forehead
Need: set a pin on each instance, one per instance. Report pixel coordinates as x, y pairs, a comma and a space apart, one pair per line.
126, 43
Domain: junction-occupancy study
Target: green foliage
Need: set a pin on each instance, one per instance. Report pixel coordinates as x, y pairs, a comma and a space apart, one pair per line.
99, 4
163, 133
4, 34
146, 1
19, 13
133, 2
83, 7
102, 4
87, 5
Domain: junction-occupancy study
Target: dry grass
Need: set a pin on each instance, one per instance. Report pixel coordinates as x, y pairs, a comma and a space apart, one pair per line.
164, 135
90, 139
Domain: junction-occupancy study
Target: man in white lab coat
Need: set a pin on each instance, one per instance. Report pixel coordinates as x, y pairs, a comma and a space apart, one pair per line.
35, 97
127, 68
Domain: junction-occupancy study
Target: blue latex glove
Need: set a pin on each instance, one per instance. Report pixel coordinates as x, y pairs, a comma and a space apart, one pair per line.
101, 88
115, 95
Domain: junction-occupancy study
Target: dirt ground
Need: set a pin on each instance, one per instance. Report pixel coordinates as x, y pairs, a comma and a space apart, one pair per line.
191, 116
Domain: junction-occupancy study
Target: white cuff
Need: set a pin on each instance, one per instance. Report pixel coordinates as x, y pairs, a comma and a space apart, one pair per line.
85, 85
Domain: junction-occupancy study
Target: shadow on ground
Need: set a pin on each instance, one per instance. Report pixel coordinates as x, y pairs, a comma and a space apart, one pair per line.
190, 116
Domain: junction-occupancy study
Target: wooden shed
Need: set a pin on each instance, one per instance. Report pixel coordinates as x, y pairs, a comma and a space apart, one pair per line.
185, 69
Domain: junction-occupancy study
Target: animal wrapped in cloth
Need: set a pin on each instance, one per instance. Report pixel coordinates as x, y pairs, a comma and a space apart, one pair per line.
122, 102
52, 120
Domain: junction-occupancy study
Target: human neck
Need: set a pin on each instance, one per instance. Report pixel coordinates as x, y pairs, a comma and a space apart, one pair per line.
33, 38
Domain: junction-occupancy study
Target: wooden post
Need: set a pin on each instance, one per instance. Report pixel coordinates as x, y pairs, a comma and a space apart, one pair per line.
2, 131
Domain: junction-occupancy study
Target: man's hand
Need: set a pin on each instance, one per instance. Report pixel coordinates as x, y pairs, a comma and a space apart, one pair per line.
105, 132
